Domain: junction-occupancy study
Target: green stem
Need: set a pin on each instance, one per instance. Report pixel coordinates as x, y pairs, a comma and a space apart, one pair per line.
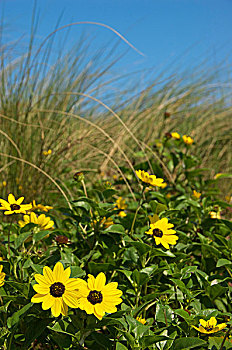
9, 238
137, 210
225, 336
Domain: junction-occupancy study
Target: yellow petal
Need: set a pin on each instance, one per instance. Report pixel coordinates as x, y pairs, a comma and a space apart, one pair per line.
48, 302
67, 273
72, 284
56, 307
20, 200
64, 308
48, 275
203, 322
37, 298
41, 288
41, 279
221, 326
58, 272
71, 298
33, 218
212, 322
98, 308
5, 204
100, 281
91, 282
11, 199
165, 244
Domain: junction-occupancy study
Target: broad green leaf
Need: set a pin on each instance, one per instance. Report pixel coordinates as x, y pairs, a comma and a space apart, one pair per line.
188, 343
223, 262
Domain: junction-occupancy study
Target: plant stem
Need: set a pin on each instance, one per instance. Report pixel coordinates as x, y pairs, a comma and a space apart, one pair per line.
225, 336
137, 210
9, 238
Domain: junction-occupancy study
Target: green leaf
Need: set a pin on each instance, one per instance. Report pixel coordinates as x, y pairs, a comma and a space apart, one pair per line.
142, 248
188, 343
151, 339
223, 262
95, 268
117, 228
77, 272
21, 238
120, 346
40, 235
35, 329
11, 321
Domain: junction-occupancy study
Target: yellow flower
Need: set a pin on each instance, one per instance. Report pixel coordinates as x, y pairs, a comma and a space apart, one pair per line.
228, 198
2, 276
196, 194
47, 153
141, 320
105, 222
164, 185
210, 326
96, 297
217, 176
122, 214
188, 140
149, 179
40, 207
162, 233
215, 215
4, 183
121, 204
14, 206
43, 222
175, 135
56, 290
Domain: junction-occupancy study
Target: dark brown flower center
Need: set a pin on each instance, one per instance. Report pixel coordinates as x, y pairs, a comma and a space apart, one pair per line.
208, 329
14, 207
95, 297
57, 289
157, 233
62, 239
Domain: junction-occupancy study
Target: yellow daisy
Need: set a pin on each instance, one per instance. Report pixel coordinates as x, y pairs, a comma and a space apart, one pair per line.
149, 179
187, 139
121, 204
175, 135
141, 320
43, 222
164, 185
215, 215
162, 233
56, 290
96, 297
14, 206
196, 194
2, 276
210, 326
47, 153
40, 207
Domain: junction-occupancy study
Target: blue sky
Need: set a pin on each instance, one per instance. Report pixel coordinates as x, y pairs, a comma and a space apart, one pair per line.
166, 31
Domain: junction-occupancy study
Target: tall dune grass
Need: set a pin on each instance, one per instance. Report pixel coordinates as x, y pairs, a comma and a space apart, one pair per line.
71, 108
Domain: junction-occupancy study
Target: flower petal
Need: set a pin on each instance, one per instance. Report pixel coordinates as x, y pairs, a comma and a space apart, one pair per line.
56, 307
37, 298
48, 274
11, 199
48, 302
100, 281
41, 288
58, 272
20, 200
71, 299
64, 308
91, 282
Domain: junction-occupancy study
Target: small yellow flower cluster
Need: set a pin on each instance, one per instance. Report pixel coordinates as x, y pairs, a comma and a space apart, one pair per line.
47, 153
141, 320
187, 139
56, 291
196, 194
14, 206
121, 204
